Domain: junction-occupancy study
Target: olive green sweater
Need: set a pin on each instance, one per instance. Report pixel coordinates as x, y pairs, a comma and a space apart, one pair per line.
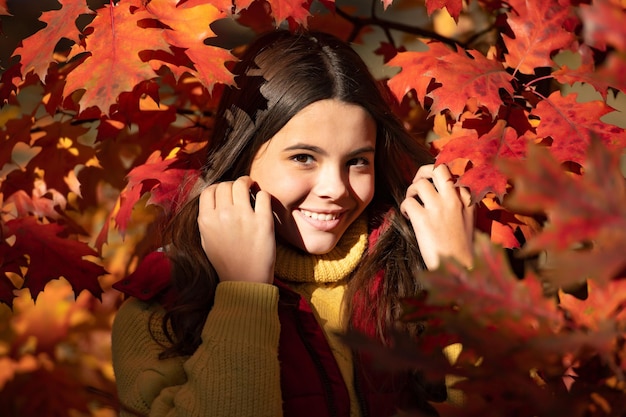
235, 371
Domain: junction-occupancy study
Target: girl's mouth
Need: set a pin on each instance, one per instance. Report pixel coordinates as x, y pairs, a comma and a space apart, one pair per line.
320, 216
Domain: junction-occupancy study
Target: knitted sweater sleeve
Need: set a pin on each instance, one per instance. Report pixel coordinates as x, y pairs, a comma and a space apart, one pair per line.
234, 372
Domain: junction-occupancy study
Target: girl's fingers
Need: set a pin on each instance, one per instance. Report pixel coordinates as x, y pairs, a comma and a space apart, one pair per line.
207, 199
466, 196
241, 192
223, 194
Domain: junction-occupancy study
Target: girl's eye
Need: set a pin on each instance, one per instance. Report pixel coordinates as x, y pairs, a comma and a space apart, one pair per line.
359, 162
303, 158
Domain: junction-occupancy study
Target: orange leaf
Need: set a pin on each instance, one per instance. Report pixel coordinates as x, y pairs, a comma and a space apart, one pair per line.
113, 64
36, 50
538, 31
454, 7
188, 28
162, 178
603, 22
603, 303
585, 73
571, 125
588, 209
4, 10
483, 176
459, 78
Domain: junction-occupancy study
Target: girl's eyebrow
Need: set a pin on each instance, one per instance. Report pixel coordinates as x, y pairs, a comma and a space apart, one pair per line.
318, 150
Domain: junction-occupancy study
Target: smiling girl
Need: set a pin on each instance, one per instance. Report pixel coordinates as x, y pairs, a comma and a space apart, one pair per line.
315, 213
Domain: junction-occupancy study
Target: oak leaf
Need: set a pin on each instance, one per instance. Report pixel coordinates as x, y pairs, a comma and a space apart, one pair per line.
454, 7
52, 255
294, 11
60, 154
159, 176
460, 75
188, 27
604, 303
488, 298
571, 124
483, 176
37, 51
4, 10
16, 130
538, 32
585, 234
586, 73
603, 24
113, 64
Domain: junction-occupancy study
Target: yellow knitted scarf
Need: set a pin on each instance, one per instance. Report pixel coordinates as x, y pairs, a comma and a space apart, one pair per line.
295, 266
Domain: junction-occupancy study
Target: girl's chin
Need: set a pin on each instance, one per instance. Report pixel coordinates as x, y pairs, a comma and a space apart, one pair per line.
313, 245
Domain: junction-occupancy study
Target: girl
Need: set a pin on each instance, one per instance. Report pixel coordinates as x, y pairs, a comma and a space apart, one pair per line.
311, 218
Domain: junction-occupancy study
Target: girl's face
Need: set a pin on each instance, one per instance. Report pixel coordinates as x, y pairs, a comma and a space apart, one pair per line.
319, 169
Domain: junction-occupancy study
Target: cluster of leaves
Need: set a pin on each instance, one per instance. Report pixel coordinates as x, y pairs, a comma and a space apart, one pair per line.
104, 117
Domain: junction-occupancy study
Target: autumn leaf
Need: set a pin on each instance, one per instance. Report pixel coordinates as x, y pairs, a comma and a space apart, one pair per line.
538, 32
585, 73
4, 10
604, 24
51, 255
571, 125
50, 390
489, 299
599, 219
158, 176
296, 11
60, 154
37, 50
188, 27
614, 70
483, 176
454, 7
475, 76
604, 303
15, 131
113, 64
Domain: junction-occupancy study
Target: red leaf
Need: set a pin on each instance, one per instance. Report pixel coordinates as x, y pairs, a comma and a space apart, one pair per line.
603, 304
16, 130
52, 255
462, 77
538, 31
580, 209
293, 10
114, 65
188, 28
159, 177
37, 50
454, 7
257, 17
614, 70
604, 24
60, 154
48, 390
585, 73
571, 125
490, 296
483, 176
4, 10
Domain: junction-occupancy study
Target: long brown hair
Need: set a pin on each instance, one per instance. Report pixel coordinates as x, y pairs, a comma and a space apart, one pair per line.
278, 75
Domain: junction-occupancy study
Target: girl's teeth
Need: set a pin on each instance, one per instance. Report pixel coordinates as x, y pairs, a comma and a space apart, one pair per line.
319, 216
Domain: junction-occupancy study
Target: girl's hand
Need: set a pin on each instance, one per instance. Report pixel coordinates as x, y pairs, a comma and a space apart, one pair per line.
442, 218
238, 239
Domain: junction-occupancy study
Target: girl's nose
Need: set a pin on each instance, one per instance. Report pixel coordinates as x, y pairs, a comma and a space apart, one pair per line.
332, 183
